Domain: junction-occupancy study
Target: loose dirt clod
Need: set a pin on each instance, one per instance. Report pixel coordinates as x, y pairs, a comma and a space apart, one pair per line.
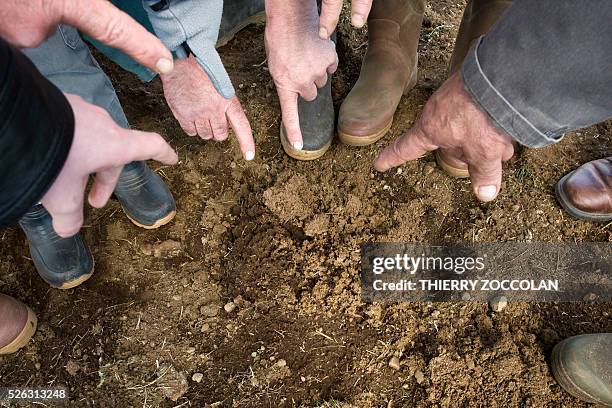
72, 367
394, 363
229, 307
498, 303
419, 377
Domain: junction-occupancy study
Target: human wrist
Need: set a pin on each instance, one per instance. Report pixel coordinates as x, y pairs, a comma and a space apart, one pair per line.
291, 16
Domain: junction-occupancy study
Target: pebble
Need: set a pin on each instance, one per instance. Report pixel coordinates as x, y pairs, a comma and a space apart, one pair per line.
419, 377
516, 207
465, 296
197, 377
394, 363
281, 363
229, 307
399, 170
498, 303
190, 350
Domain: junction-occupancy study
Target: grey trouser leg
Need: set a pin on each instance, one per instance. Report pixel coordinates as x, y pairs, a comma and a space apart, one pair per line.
65, 60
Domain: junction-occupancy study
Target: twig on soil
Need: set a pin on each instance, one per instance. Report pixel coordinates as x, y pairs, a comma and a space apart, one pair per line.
320, 333
140, 387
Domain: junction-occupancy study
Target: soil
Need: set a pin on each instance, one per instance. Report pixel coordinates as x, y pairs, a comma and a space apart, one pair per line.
251, 297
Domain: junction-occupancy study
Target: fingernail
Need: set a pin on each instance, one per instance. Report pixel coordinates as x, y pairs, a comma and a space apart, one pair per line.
323, 33
164, 66
298, 145
250, 155
357, 20
487, 193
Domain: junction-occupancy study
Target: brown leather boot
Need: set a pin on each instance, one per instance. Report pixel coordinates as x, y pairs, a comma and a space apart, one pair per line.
17, 324
478, 18
586, 193
389, 70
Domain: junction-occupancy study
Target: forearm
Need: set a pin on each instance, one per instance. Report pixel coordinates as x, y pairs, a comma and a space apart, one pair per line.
545, 68
37, 127
195, 23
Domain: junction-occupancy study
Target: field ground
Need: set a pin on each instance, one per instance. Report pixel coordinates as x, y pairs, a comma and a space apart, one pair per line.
279, 239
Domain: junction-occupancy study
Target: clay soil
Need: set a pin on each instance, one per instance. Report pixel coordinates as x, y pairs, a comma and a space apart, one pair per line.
279, 239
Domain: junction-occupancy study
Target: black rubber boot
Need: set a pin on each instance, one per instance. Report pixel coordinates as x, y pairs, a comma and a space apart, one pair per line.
317, 122
144, 196
62, 262
582, 365
237, 14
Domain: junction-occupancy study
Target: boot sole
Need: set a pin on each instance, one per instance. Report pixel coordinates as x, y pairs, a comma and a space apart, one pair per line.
304, 155
24, 337
254, 19
573, 211
564, 380
159, 223
76, 282
353, 140
450, 170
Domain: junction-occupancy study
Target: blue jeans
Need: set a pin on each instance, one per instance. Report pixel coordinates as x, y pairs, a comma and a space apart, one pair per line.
65, 60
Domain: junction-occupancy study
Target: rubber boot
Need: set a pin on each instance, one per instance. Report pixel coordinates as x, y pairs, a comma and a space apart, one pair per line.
317, 123
63, 263
17, 324
238, 14
145, 199
389, 70
586, 193
478, 18
582, 365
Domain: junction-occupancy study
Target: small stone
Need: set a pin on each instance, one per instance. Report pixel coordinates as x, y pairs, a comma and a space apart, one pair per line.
399, 170
516, 207
229, 307
394, 363
590, 297
465, 296
419, 377
429, 168
190, 350
254, 354
281, 363
37, 366
498, 303
197, 377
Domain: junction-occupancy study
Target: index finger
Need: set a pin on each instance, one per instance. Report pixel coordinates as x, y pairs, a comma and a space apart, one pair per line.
360, 9
140, 146
242, 129
411, 145
330, 13
111, 26
291, 118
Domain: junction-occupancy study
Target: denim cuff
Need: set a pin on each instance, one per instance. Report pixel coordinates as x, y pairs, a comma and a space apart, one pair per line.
499, 109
